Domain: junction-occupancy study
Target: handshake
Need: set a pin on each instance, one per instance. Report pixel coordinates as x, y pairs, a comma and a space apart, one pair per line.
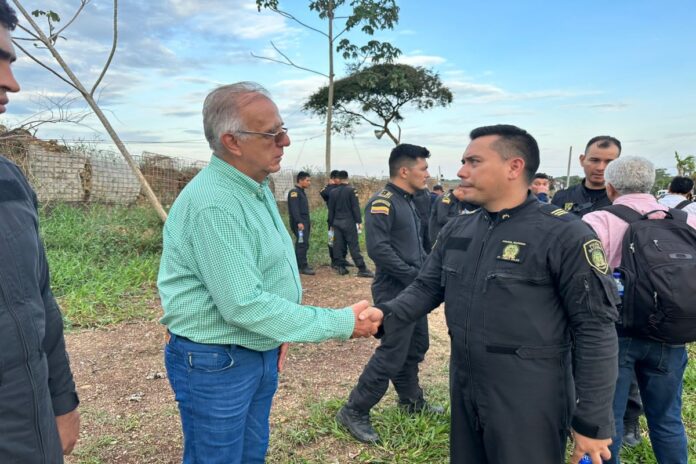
367, 319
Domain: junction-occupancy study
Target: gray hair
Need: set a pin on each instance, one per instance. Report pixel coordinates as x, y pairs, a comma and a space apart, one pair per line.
221, 110
630, 174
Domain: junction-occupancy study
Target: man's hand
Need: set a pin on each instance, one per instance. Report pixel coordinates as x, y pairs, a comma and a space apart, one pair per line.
596, 449
367, 319
300, 226
68, 429
282, 353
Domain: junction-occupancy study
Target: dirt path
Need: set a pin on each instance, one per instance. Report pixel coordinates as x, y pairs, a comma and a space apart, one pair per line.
128, 410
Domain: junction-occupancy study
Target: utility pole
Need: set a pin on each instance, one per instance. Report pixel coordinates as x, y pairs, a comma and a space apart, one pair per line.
570, 154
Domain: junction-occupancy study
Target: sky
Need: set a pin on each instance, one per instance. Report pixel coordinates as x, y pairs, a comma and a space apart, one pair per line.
564, 71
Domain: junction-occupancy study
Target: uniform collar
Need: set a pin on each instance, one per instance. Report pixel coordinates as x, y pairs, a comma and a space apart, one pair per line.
507, 214
399, 191
238, 178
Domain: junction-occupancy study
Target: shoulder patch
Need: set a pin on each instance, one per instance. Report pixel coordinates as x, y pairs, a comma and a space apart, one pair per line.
379, 209
381, 201
293, 194
385, 194
595, 256
446, 199
568, 206
555, 211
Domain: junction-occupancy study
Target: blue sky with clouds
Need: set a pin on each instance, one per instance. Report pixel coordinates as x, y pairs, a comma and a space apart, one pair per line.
565, 71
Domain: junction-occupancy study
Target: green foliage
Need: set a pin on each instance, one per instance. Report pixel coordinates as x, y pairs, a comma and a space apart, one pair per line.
52, 16
686, 166
383, 90
369, 15
103, 261
662, 180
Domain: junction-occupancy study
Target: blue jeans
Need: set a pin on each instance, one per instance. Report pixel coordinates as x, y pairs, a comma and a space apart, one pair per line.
659, 369
224, 393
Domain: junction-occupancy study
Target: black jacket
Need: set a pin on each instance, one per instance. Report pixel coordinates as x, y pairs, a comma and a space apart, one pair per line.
577, 200
36, 383
298, 207
344, 205
516, 289
446, 207
394, 243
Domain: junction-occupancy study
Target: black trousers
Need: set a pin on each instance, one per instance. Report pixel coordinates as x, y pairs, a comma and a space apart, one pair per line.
346, 235
301, 248
634, 406
395, 359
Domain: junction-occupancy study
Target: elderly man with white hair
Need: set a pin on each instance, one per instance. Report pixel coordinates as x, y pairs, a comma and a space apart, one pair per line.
659, 367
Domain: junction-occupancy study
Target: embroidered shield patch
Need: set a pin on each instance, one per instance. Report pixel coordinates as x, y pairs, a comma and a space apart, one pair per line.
594, 253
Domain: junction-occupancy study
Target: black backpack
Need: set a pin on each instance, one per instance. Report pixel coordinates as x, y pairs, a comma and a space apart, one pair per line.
658, 269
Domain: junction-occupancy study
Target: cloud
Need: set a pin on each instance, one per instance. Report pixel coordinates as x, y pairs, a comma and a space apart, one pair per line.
421, 60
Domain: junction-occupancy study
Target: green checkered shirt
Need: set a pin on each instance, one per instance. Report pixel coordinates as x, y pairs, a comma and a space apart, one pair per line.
228, 273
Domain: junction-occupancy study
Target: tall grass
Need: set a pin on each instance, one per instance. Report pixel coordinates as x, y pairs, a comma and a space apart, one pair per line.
103, 262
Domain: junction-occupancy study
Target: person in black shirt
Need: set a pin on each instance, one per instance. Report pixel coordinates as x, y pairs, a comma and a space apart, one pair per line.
325, 193
346, 222
448, 206
590, 194
395, 243
300, 224
422, 200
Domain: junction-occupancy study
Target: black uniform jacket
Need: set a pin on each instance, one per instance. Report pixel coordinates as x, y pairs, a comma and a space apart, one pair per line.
577, 200
515, 288
298, 207
326, 192
445, 208
36, 383
392, 234
344, 205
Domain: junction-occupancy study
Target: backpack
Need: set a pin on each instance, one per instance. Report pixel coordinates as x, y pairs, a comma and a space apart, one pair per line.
658, 270
683, 204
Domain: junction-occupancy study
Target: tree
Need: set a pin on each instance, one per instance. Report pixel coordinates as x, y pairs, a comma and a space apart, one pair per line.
685, 166
370, 15
377, 95
662, 180
49, 41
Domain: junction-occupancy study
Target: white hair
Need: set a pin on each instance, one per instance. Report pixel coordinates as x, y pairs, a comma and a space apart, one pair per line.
630, 174
221, 110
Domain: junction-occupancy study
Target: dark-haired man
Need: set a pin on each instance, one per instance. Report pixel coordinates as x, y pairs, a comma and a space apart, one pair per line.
448, 206
540, 186
346, 222
680, 195
325, 193
590, 194
39, 421
520, 280
395, 244
300, 224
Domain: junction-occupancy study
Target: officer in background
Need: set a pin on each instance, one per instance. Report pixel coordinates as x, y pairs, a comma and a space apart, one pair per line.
590, 194
450, 205
519, 279
345, 221
540, 185
394, 242
325, 193
300, 224
437, 192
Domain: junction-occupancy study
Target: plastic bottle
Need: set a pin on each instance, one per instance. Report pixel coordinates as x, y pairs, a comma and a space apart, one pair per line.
619, 282
331, 237
585, 459
300, 236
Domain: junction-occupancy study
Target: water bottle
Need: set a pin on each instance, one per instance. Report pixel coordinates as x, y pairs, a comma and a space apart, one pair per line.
619, 283
585, 459
300, 236
331, 237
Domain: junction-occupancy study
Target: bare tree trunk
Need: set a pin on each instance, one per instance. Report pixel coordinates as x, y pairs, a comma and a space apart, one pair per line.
329, 107
97, 110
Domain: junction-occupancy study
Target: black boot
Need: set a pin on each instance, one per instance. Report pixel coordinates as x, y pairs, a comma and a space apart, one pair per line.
365, 273
341, 270
421, 406
631, 435
358, 424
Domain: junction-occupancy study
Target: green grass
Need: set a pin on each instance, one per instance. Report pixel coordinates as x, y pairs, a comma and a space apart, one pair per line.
103, 261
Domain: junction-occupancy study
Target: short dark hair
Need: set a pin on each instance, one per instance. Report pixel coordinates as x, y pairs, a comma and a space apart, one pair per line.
8, 18
302, 175
406, 155
681, 185
541, 175
342, 175
439, 188
512, 141
603, 141
334, 174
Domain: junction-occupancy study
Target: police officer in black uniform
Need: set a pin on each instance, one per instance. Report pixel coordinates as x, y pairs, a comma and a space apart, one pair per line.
590, 194
394, 242
422, 201
448, 206
345, 220
325, 193
300, 224
519, 279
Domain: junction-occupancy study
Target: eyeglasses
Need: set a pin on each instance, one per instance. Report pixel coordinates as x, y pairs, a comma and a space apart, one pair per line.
277, 136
